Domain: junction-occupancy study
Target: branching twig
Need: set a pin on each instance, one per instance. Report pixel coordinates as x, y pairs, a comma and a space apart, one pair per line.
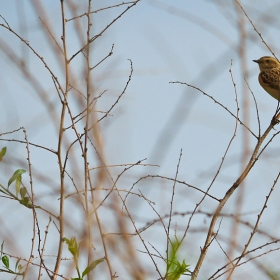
228, 194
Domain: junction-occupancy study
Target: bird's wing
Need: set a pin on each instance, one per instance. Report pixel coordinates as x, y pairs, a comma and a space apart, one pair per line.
271, 78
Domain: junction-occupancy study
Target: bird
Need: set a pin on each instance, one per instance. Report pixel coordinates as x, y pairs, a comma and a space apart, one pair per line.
269, 76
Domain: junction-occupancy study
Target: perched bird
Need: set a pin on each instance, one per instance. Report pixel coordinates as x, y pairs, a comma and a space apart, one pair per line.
269, 77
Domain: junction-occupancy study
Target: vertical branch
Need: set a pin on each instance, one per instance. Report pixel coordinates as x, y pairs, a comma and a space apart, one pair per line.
96, 135
33, 208
60, 139
168, 240
85, 154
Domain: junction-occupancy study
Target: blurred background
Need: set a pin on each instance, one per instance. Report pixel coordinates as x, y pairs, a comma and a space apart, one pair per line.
207, 44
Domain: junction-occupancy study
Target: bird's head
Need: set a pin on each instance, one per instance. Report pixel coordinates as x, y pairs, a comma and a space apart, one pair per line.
267, 63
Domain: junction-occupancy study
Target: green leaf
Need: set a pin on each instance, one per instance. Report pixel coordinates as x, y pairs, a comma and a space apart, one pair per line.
76, 279
73, 248
92, 266
172, 256
3, 152
178, 271
17, 186
26, 202
18, 266
175, 269
16, 176
5, 261
23, 192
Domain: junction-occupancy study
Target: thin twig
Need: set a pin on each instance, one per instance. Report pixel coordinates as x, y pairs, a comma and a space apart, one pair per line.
99, 10
168, 241
256, 106
100, 33
211, 97
103, 59
255, 227
256, 29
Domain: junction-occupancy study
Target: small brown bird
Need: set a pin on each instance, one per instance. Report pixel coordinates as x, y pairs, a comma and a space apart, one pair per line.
269, 77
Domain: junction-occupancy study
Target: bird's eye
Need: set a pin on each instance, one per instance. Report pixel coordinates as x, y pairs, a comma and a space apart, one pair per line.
267, 61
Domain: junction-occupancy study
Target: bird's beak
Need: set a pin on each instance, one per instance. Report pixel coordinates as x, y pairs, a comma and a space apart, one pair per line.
257, 61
